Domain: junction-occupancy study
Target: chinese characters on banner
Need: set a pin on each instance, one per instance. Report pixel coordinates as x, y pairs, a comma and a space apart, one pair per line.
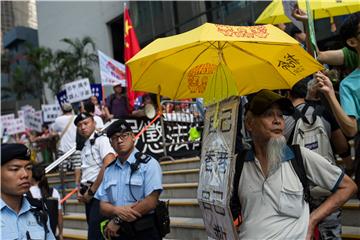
111, 71
150, 141
78, 90
217, 169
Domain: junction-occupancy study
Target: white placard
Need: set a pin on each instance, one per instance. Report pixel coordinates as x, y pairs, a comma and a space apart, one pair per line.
28, 113
78, 90
288, 8
17, 126
111, 71
6, 121
50, 112
35, 121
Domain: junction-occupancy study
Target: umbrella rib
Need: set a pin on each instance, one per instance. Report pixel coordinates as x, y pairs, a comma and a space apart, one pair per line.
182, 78
158, 59
262, 59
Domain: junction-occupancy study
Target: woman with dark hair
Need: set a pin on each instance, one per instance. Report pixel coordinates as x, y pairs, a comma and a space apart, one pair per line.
40, 190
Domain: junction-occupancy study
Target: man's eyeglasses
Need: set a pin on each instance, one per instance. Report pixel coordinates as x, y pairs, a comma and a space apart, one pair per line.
122, 136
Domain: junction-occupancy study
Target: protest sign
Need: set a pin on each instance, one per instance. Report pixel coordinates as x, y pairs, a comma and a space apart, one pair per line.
111, 71
50, 112
288, 8
35, 121
217, 169
17, 126
6, 121
78, 90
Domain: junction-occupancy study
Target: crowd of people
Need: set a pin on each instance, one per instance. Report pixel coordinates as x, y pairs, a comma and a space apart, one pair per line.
284, 191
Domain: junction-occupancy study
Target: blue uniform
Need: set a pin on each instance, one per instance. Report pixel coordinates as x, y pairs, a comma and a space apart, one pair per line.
18, 226
115, 185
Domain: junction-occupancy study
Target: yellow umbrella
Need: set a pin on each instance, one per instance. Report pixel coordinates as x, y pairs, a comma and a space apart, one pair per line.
274, 12
223, 60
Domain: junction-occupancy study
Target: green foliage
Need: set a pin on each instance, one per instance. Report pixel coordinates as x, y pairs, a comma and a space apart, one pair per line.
62, 66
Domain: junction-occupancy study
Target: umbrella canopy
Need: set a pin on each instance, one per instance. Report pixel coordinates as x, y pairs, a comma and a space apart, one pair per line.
274, 12
218, 61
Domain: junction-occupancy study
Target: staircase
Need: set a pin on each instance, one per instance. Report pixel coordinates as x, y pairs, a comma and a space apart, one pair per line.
180, 182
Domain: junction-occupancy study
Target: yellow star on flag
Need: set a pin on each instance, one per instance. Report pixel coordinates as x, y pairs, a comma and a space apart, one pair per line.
127, 27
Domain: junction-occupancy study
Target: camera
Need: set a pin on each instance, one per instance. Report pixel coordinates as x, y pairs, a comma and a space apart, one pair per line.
83, 189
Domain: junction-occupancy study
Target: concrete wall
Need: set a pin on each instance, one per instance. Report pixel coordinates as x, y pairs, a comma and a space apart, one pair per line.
58, 20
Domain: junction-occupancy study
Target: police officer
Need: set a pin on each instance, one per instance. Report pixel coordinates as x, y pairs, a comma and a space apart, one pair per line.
130, 189
95, 155
19, 218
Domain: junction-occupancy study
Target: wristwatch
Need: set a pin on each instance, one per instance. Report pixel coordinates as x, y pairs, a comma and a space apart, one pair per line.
117, 220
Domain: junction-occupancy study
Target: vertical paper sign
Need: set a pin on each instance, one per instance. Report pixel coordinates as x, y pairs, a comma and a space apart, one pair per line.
288, 8
50, 112
35, 121
111, 71
217, 169
78, 90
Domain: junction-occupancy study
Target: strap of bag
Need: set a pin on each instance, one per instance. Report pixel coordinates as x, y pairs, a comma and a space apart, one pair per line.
299, 168
66, 128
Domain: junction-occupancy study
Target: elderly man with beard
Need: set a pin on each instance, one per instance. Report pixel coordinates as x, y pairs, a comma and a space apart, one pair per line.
270, 192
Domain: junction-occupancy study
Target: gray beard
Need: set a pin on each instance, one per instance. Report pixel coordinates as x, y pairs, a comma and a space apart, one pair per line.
275, 152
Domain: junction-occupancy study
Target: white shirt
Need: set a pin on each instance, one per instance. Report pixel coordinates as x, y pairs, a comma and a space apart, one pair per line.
99, 122
274, 207
68, 140
36, 193
92, 157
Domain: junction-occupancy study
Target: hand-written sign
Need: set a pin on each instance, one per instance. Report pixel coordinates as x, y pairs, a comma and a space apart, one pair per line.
217, 169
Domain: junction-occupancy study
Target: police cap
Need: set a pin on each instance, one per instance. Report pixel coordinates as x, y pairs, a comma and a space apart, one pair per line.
10, 151
120, 126
82, 116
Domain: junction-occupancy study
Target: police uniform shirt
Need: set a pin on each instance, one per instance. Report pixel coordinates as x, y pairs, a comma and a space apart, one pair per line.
115, 185
92, 156
278, 199
16, 225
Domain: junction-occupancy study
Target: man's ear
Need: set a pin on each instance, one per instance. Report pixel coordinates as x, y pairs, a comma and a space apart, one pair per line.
352, 42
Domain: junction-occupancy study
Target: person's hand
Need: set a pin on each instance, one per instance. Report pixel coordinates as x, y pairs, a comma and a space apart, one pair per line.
87, 197
312, 91
60, 237
299, 14
111, 229
323, 83
80, 197
127, 214
311, 229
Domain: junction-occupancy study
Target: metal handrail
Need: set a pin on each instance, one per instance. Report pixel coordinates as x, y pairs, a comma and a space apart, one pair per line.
72, 150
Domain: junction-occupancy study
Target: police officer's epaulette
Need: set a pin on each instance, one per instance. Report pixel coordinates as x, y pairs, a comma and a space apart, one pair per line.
112, 163
142, 157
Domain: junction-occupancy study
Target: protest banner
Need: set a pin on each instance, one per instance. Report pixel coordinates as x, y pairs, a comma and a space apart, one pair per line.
50, 112
78, 90
111, 71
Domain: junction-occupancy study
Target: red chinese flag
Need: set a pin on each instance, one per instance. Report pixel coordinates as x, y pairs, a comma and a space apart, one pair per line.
131, 46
